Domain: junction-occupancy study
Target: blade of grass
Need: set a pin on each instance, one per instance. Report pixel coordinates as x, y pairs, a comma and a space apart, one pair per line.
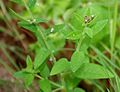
98, 86
14, 50
109, 51
8, 56
113, 29
10, 25
111, 68
8, 68
106, 58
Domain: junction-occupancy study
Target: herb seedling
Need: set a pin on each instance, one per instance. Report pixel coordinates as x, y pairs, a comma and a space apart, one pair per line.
69, 72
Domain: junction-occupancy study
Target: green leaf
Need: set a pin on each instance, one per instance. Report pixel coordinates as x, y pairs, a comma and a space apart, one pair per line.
45, 85
44, 71
59, 27
56, 41
74, 35
27, 25
99, 26
31, 3
71, 81
85, 43
29, 63
93, 71
20, 74
117, 44
77, 60
79, 90
27, 77
40, 57
89, 32
60, 66
56, 28
77, 21
40, 20
17, 15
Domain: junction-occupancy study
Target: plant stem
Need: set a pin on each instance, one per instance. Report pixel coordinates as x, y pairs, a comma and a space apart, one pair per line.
65, 49
113, 29
80, 42
41, 33
45, 42
58, 89
28, 9
62, 80
53, 83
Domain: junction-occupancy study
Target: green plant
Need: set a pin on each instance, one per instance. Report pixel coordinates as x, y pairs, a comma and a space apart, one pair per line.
84, 28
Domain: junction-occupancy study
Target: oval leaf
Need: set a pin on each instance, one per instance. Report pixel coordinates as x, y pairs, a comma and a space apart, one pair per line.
60, 66
27, 77
74, 35
78, 90
41, 56
77, 60
93, 71
89, 32
99, 26
45, 85
29, 63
